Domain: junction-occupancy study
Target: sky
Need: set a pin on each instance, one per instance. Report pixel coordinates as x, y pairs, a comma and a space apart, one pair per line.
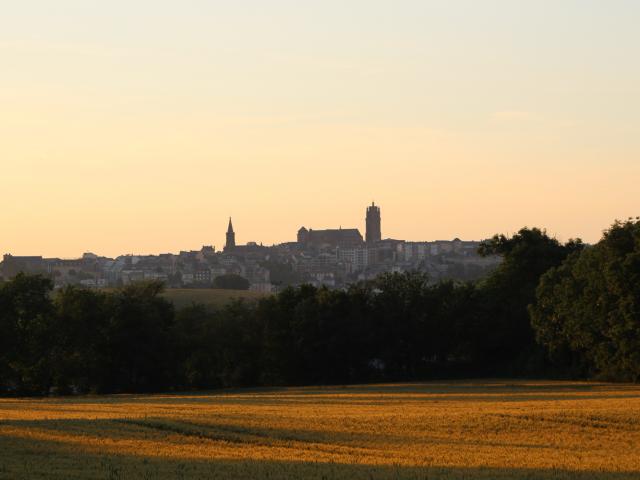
141, 126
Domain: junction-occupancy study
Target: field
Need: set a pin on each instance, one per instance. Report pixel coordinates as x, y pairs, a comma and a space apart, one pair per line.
457, 430
211, 297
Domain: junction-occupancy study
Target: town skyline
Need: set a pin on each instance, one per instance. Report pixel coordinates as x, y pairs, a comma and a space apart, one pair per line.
242, 237
333, 257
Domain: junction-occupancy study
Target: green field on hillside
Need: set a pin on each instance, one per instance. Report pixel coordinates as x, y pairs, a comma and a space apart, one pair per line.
211, 297
453, 430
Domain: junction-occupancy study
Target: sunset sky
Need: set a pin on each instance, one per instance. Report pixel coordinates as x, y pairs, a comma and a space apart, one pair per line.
140, 126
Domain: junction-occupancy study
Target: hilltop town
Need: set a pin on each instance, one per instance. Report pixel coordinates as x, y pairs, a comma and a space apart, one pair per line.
330, 257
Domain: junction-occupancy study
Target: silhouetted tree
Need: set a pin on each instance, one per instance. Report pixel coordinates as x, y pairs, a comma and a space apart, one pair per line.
139, 341
78, 345
238, 345
26, 334
505, 335
587, 311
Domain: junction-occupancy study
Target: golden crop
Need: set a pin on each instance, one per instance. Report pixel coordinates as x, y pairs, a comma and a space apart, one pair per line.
455, 430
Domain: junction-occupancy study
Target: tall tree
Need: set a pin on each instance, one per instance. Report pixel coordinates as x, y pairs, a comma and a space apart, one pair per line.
507, 337
78, 344
139, 341
26, 334
589, 307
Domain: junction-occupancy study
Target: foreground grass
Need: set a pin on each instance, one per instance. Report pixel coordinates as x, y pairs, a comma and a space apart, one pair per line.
459, 430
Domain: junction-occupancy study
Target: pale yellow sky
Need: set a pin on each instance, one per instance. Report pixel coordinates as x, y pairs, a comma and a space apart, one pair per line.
142, 128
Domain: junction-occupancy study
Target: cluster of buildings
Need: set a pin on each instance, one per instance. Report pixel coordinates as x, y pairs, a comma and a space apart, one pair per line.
331, 257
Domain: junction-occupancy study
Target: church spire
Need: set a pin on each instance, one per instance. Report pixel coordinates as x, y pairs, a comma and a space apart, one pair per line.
231, 237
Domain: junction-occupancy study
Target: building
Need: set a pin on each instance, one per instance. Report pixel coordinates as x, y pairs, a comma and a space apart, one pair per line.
231, 237
12, 265
202, 275
358, 258
329, 238
373, 232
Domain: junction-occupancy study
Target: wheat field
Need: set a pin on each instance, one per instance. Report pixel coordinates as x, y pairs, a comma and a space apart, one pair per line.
453, 430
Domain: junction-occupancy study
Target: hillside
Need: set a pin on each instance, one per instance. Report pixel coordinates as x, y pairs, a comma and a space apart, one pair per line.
211, 297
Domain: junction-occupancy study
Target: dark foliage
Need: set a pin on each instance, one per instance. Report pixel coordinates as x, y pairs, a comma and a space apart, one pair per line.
26, 333
506, 332
587, 311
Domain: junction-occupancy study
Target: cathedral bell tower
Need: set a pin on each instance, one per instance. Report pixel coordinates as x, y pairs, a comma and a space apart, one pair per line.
373, 233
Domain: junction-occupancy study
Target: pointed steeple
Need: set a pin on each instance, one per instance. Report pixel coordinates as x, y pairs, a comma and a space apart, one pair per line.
231, 237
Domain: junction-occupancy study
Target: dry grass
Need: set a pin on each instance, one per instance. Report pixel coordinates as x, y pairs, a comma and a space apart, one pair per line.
210, 297
436, 430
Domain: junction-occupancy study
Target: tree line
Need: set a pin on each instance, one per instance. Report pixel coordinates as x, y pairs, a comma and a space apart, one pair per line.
549, 308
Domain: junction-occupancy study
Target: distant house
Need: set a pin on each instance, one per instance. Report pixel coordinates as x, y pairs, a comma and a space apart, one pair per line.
94, 283
202, 275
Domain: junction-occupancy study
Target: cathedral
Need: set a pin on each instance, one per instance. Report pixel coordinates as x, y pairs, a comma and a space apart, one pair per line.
343, 237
